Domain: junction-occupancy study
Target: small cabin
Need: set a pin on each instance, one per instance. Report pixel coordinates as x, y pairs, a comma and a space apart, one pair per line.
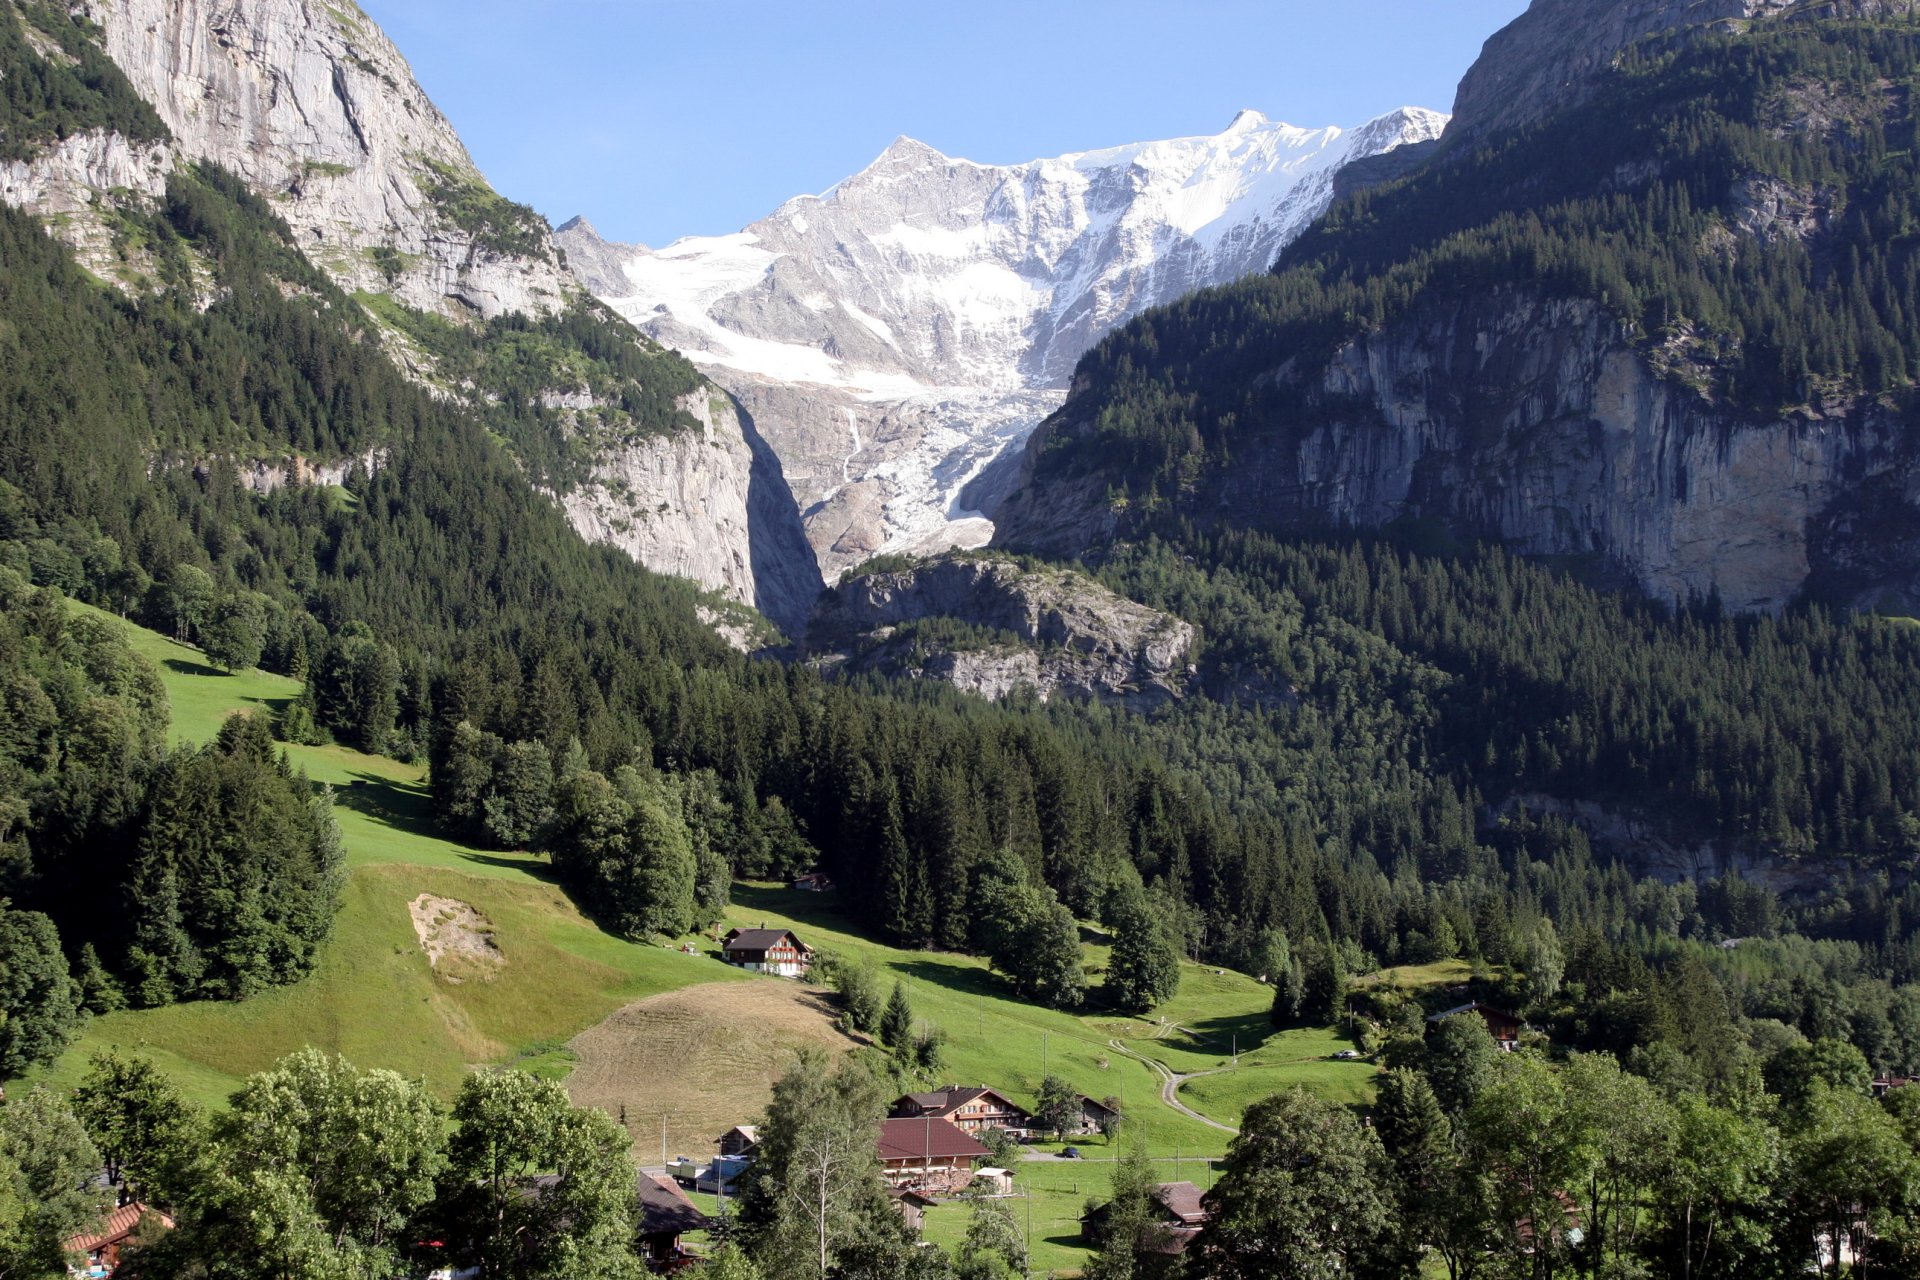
911, 1206
813, 882
739, 1140
1503, 1026
1178, 1216
776, 951
101, 1248
665, 1215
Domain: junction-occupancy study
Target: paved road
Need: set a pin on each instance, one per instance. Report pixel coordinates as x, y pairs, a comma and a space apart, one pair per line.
1171, 1080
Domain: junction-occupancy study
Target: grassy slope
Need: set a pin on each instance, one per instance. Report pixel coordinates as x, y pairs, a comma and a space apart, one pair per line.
374, 997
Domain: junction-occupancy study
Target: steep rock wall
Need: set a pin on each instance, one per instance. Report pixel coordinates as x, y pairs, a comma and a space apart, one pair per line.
1537, 423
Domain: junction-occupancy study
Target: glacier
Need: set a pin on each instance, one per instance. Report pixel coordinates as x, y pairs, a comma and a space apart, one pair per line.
931, 309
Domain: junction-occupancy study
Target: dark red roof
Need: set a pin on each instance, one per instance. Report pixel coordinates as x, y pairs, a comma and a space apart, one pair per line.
118, 1226
665, 1209
926, 1138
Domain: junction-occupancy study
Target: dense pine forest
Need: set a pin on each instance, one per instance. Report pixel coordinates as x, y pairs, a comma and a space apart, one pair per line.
1624, 201
1392, 750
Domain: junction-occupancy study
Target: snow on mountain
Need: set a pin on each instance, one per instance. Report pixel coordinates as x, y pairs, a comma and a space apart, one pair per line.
893, 334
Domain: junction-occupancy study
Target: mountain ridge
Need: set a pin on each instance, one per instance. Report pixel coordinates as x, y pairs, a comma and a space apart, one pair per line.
894, 333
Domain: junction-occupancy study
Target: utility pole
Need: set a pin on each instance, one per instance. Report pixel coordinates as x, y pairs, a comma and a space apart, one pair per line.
663, 1142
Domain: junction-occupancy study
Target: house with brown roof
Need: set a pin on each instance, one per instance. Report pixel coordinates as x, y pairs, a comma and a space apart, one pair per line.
102, 1248
775, 951
665, 1215
739, 1140
1092, 1114
1503, 1026
927, 1155
1179, 1215
972, 1107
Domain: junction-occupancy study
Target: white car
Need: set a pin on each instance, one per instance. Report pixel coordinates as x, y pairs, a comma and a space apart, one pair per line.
1346, 1055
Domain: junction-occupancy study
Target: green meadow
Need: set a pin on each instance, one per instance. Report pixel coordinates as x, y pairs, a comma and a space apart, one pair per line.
375, 997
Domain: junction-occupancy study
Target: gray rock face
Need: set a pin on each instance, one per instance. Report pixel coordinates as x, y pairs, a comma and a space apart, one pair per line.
708, 506
1059, 633
897, 333
1547, 58
1537, 423
312, 105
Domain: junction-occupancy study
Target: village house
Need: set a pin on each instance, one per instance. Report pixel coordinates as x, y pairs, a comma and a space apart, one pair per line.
102, 1248
739, 1140
665, 1215
1505, 1027
1179, 1215
972, 1107
813, 882
1092, 1114
775, 951
931, 1156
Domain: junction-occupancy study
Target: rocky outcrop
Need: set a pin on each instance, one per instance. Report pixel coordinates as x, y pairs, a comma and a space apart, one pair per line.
1549, 58
896, 334
1009, 626
311, 103
1544, 60
706, 505
1538, 423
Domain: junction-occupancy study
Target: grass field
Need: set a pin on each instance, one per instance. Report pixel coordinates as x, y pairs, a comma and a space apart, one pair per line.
654, 1033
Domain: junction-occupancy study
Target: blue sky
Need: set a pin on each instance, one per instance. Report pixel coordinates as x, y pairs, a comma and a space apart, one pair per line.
664, 118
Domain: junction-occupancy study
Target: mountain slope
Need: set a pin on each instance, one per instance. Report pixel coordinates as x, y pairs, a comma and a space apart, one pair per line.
1679, 354
895, 333
318, 113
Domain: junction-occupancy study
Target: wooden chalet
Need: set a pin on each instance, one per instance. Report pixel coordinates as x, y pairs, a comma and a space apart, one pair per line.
775, 951
739, 1140
910, 1205
813, 882
1179, 1216
928, 1155
1505, 1027
972, 1107
102, 1248
1092, 1113
665, 1215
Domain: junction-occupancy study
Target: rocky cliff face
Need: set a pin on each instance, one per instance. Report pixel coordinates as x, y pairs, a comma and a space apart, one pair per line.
897, 333
1004, 627
314, 107
1546, 59
1537, 423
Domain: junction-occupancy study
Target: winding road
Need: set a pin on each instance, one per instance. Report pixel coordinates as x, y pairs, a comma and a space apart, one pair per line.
1171, 1080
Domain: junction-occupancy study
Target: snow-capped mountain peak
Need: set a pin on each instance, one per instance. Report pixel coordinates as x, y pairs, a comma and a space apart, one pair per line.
937, 306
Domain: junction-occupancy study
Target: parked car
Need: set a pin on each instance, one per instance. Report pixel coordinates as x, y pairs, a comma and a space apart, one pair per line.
1069, 1153
1346, 1055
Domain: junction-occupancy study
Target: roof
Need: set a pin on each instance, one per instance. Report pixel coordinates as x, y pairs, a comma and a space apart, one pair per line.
1182, 1200
118, 1226
926, 1137
910, 1196
1484, 1010
665, 1210
751, 1132
954, 1096
760, 939
1092, 1104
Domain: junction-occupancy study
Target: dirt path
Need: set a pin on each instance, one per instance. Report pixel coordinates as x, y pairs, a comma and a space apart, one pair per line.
1171, 1080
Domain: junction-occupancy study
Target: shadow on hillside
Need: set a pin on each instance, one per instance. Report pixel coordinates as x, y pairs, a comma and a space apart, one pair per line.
527, 864
186, 668
277, 706
955, 977
1220, 1035
393, 804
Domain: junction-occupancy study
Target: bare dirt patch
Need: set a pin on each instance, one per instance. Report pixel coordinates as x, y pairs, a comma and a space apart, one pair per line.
458, 940
704, 1058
